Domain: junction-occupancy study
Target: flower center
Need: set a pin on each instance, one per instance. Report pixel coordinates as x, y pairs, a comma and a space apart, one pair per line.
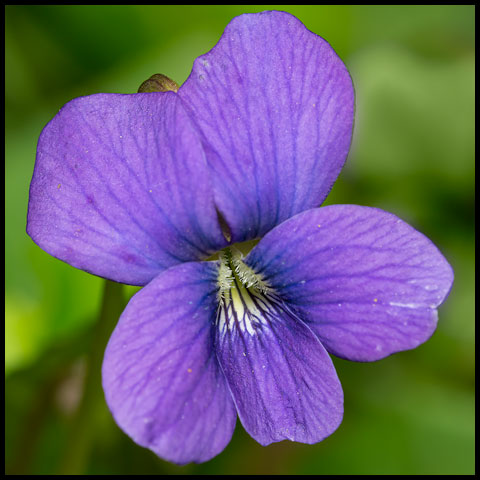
245, 300
234, 274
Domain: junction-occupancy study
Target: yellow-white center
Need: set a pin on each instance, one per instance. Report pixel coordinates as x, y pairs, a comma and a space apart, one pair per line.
245, 300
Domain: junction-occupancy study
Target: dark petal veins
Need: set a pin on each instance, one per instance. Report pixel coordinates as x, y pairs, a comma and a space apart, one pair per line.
120, 187
367, 283
275, 105
161, 377
282, 380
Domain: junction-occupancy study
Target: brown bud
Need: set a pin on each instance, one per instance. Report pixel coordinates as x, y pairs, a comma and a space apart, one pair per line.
158, 83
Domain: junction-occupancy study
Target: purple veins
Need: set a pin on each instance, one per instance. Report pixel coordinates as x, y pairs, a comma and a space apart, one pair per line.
143, 189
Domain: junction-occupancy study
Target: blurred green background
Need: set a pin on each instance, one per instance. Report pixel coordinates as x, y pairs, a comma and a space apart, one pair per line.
412, 154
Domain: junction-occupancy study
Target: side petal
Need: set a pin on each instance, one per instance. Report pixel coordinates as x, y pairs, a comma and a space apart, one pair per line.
161, 377
282, 380
275, 105
367, 283
120, 187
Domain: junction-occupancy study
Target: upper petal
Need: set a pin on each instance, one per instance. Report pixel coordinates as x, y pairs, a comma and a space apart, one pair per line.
161, 377
120, 187
367, 283
282, 380
275, 105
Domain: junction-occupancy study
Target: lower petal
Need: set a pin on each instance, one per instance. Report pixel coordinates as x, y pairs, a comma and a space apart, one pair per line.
282, 380
367, 283
161, 377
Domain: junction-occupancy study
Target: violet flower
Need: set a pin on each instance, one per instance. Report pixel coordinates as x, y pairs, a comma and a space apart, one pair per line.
142, 188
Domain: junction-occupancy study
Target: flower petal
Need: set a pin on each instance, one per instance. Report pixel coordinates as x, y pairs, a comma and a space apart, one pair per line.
161, 377
282, 380
120, 187
275, 105
367, 283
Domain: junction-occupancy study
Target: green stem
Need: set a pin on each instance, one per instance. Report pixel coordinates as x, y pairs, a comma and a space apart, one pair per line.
79, 443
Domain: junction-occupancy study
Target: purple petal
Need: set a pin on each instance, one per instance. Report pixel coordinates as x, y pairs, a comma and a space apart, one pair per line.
367, 283
120, 187
161, 377
282, 380
275, 105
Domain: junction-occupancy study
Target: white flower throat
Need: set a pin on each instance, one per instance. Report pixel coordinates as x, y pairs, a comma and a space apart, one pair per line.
245, 302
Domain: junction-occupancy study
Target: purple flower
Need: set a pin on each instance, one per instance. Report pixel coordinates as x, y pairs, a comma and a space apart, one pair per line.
143, 188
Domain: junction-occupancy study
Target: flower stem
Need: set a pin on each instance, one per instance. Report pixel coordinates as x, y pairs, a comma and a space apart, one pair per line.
85, 422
